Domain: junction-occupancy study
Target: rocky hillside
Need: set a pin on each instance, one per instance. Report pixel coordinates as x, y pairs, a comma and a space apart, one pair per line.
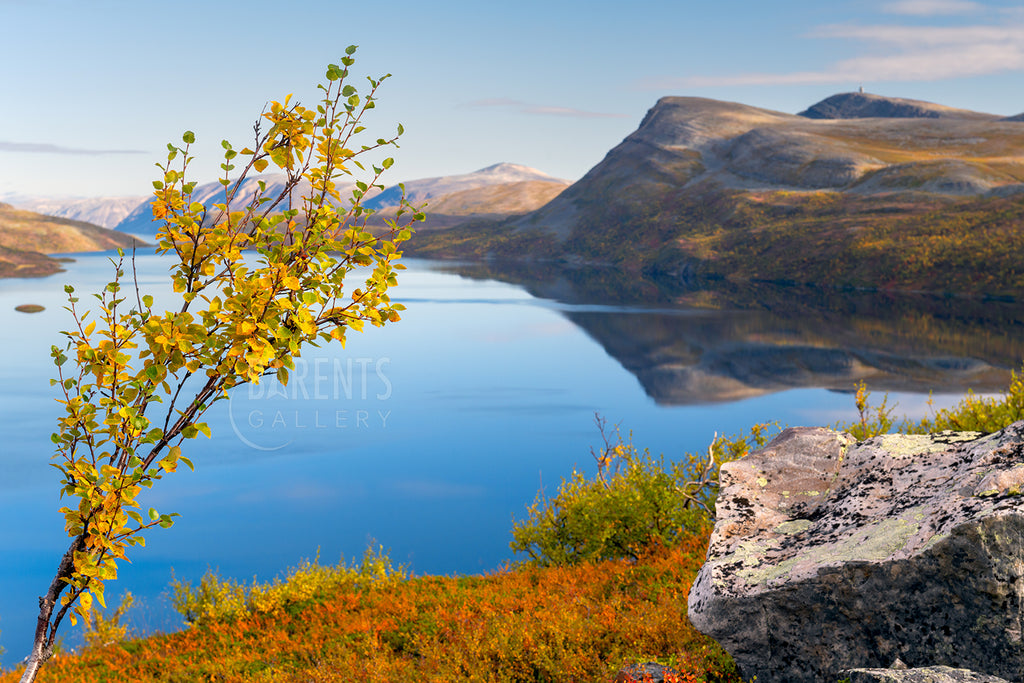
26, 236
700, 178
700, 144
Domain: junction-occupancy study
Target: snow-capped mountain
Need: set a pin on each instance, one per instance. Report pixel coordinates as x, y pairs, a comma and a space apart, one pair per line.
140, 220
418, 191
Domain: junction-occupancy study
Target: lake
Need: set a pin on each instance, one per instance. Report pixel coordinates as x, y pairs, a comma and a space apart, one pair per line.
428, 436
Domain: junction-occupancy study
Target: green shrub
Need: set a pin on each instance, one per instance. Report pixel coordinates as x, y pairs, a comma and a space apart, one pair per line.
101, 629
872, 421
977, 414
635, 501
972, 414
218, 599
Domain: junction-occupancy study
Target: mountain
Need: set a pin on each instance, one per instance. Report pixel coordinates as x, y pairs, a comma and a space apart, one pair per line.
425, 189
140, 220
493, 192
690, 142
26, 236
861, 105
723, 189
106, 212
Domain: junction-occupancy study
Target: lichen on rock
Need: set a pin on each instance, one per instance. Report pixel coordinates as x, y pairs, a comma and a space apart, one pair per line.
830, 554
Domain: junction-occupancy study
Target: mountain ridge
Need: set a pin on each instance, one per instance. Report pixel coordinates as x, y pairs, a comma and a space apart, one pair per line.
722, 189
857, 105
689, 141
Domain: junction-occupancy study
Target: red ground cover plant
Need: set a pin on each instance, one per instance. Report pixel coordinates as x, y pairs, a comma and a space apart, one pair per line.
525, 623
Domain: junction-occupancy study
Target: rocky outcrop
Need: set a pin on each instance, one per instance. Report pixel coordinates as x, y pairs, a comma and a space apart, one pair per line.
862, 105
830, 554
928, 674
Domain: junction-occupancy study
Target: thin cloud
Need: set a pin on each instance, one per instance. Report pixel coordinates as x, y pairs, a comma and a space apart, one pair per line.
925, 36
45, 148
931, 8
901, 53
542, 110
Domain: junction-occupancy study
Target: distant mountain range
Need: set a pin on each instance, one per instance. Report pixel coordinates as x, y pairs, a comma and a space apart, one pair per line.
105, 212
497, 191
724, 189
53, 225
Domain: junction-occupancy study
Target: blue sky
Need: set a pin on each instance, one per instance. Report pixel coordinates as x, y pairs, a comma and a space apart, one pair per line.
94, 89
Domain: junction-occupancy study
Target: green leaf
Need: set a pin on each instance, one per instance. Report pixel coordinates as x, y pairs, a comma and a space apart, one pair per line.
153, 514
351, 49
189, 137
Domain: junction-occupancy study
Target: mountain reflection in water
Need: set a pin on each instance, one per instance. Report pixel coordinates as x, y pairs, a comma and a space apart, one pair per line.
727, 341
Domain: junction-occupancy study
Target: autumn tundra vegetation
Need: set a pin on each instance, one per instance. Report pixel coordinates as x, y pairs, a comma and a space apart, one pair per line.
603, 568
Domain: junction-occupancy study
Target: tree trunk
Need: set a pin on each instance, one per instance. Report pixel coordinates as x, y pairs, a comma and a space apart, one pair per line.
42, 646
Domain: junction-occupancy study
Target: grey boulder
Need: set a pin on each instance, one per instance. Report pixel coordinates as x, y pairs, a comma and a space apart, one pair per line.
829, 555
929, 674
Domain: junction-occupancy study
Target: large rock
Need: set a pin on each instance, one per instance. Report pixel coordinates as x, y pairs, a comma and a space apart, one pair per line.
929, 674
830, 554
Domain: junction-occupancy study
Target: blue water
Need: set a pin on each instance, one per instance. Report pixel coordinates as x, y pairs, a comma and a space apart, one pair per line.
427, 437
